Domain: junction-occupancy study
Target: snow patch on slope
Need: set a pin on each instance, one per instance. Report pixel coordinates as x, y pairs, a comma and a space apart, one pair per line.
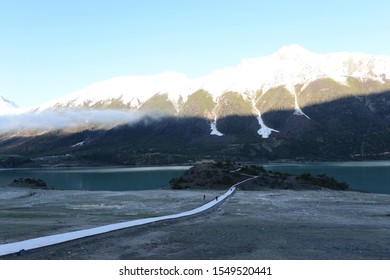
298, 110
134, 103
78, 144
213, 127
264, 130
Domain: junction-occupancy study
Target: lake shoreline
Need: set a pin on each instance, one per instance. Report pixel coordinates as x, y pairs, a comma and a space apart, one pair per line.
38, 165
271, 224
264, 222
371, 176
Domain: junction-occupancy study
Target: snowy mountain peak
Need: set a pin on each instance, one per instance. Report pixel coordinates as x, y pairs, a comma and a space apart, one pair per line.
293, 51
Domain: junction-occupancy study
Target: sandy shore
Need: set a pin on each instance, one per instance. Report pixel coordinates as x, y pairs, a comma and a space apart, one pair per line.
270, 224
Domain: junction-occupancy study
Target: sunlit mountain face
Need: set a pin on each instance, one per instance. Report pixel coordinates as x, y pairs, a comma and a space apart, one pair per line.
291, 104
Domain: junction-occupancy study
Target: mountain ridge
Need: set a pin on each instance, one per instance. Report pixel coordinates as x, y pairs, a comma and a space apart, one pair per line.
341, 135
290, 66
291, 104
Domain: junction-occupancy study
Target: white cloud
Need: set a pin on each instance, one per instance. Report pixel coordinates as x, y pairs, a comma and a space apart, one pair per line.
47, 120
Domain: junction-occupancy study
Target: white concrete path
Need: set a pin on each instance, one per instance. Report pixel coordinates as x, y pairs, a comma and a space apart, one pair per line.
35, 243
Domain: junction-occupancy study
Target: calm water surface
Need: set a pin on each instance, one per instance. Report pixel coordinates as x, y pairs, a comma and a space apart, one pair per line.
113, 179
370, 176
367, 176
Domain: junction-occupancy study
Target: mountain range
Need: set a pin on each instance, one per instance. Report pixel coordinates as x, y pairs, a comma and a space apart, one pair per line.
293, 104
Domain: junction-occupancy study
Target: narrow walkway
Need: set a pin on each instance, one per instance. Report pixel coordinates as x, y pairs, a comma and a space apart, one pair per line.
35, 243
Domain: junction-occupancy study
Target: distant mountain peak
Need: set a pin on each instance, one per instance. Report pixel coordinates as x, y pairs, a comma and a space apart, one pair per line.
292, 51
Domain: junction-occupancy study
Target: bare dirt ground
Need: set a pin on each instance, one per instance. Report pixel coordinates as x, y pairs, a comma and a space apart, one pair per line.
269, 224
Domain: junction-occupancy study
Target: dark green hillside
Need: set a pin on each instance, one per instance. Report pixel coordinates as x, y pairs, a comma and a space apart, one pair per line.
279, 101
199, 104
355, 127
159, 104
322, 91
236, 117
233, 104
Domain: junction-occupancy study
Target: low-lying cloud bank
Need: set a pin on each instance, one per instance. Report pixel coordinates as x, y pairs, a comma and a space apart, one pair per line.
50, 120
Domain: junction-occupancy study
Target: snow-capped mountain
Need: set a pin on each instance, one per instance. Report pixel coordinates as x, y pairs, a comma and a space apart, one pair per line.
292, 68
125, 92
291, 104
6, 106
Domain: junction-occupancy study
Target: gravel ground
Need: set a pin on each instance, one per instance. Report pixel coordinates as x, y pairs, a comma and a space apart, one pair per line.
269, 224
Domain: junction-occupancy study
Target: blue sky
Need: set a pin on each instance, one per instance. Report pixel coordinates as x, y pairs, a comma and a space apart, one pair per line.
51, 48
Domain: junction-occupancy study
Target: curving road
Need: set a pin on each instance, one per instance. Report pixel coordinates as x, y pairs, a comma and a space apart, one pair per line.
35, 243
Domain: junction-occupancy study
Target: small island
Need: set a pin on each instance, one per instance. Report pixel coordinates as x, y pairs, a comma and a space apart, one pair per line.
29, 183
222, 175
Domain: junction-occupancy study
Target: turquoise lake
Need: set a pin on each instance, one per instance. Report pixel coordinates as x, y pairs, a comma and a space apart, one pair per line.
365, 176
107, 179
370, 176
